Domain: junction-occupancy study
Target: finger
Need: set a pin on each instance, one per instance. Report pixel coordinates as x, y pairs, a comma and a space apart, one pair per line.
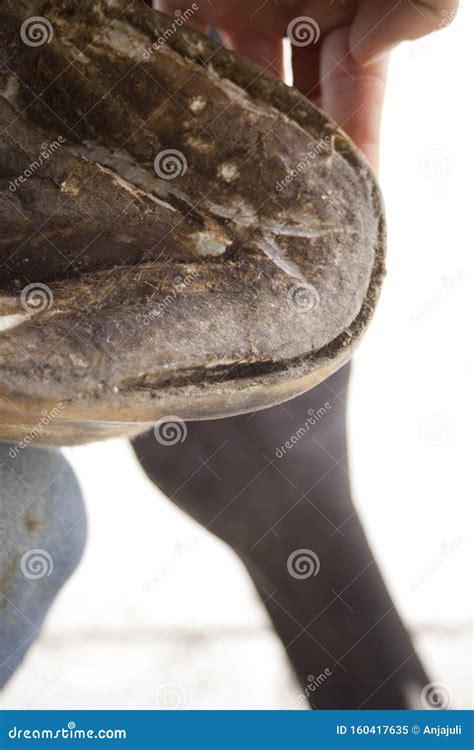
379, 26
353, 94
264, 49
305, 62
243, 17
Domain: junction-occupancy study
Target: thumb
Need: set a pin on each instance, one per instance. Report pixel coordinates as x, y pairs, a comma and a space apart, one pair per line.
379, 26
351, 94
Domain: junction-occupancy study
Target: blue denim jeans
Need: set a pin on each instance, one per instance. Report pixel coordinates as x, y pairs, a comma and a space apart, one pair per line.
42, 538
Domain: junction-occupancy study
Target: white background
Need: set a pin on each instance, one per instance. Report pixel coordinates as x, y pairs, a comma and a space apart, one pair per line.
158, 599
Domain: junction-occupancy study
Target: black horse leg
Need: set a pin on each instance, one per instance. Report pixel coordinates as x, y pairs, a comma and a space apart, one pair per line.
275, 487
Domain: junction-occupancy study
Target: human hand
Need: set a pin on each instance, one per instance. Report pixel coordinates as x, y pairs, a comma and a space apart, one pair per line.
343, 66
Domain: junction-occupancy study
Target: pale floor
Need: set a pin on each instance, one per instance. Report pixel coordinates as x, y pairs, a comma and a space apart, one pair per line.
158, 604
